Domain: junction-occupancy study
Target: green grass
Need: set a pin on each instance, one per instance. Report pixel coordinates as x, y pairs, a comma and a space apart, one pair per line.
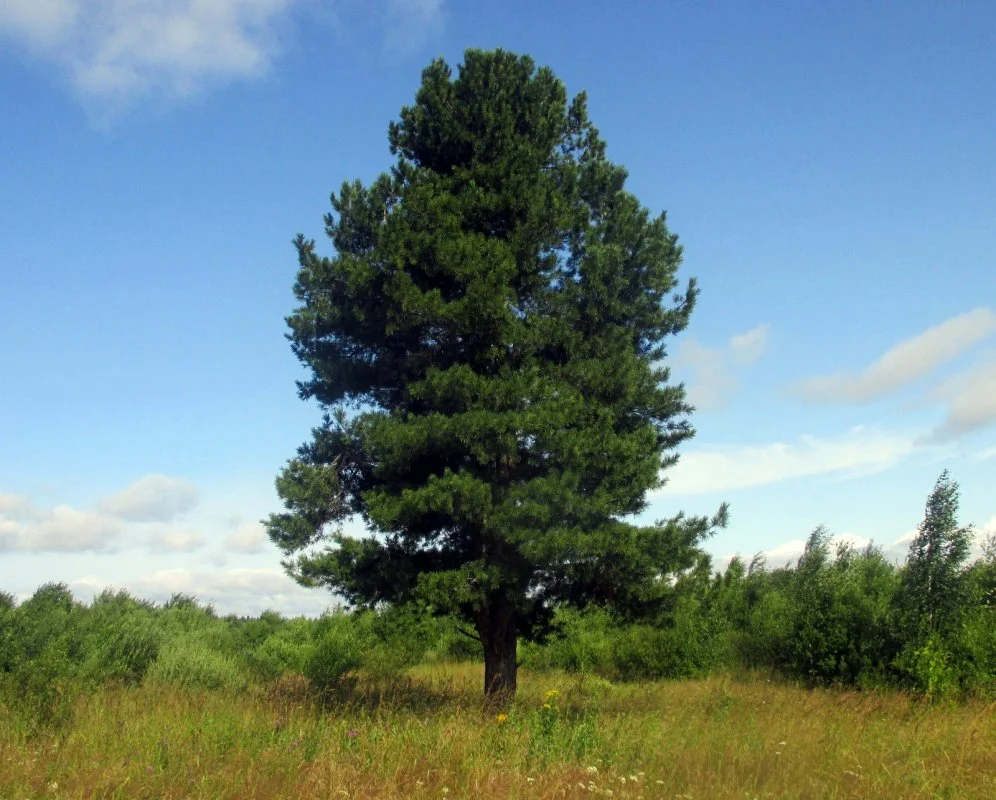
429, 736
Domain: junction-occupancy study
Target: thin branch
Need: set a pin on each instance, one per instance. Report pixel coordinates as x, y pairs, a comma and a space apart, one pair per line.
470, 635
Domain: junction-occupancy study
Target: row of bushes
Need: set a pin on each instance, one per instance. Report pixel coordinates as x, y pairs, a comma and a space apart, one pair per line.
53, 647
837, 616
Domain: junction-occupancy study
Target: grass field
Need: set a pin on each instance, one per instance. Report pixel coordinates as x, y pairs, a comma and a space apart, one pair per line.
429, 737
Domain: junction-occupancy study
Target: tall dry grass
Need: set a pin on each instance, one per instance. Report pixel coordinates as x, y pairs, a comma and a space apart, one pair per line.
429, 737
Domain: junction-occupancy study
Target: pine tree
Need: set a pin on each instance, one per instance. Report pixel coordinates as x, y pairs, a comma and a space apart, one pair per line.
487, 343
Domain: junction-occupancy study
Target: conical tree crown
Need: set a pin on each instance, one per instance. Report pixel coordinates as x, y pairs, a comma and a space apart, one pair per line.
495, 311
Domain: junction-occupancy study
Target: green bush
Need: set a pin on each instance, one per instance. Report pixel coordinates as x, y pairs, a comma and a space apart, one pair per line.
120, 638
337, 652
189, 661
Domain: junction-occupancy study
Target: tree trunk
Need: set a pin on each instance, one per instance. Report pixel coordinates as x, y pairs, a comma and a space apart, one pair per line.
499, 636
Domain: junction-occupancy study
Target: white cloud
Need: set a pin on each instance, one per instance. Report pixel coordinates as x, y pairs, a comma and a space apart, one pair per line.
746, 348
232, 591
146, 506
153, 498
905, 362
713, 372
409, 24
248, 538
971, 402
41, 22
115, 51
118, 49
65, 530
13, 503
727, 468
985, 455
176, 540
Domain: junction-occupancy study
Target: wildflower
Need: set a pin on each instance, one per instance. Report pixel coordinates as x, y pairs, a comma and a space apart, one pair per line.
592, 769
501, 718
552, 694
547, 706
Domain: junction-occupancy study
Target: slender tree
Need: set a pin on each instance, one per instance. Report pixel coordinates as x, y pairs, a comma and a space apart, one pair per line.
934, 596
487, 341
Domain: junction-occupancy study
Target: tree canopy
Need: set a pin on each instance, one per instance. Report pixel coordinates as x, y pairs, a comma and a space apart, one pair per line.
487, 341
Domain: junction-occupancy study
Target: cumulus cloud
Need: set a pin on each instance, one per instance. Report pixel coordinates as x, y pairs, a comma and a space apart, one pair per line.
153, 498
232, 591
725, 468
905, 362
146, 509
971, 404
61, 529
713, 373
248, 538
117, 49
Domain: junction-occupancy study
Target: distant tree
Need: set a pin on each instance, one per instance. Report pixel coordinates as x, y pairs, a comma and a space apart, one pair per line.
934, 596
494, 314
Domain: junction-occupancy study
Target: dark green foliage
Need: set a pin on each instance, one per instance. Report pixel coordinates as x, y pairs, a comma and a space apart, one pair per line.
495, 311
839, 609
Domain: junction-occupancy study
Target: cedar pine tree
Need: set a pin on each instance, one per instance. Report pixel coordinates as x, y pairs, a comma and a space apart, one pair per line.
486, 342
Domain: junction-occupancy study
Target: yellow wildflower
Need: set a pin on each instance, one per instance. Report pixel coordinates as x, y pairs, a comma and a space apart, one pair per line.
502, 718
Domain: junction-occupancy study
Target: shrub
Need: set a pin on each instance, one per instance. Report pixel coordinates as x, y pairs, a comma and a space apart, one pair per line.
337, 652
189, 661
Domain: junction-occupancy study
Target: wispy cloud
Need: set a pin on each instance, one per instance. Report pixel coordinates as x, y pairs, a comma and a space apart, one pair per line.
971, 404
985, 455
725, 468
904, 363
713, 373
115, 50
409, 24
166, 539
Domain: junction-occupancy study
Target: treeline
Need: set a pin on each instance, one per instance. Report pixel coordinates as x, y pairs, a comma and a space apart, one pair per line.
836, 617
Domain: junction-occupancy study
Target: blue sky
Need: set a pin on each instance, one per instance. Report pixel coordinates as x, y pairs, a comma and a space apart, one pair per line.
830, 169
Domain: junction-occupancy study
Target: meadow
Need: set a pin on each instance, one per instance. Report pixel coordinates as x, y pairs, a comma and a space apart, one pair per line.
427, 734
